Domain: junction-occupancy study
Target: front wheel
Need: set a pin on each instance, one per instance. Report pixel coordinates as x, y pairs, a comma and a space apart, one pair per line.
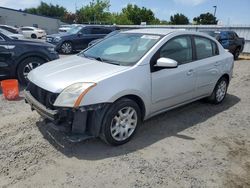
121, 122
67, 48
26, 66
220, 91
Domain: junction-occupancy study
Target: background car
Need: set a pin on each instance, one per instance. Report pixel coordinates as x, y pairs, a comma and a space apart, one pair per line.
65, 28
229, 40
33, 32
109, 35
19, 57
108, 89
11, 29
11, 35
78, 37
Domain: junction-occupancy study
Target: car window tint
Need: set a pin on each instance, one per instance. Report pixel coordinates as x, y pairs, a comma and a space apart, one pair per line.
27, 29
178, 49
204, 47
96, 31
106, 31
215, 48
231, 35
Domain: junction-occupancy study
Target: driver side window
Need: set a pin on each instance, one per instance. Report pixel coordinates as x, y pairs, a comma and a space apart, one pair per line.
178, 49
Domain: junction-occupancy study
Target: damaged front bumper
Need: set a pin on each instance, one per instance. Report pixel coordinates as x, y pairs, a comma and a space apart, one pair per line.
79, 124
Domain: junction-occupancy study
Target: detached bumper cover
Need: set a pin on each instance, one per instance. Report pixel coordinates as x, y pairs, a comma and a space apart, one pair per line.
79, 124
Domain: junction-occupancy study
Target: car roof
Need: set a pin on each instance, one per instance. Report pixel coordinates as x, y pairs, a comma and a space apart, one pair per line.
29, 27
153, 31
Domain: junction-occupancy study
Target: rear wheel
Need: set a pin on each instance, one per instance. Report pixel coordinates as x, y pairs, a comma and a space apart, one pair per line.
26, 66
220, 91
121, 122
67, 48
33, 36
236, 53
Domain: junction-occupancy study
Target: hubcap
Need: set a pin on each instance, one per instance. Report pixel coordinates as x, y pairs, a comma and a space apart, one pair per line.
29, 67
66, 48
123, 124
221, 91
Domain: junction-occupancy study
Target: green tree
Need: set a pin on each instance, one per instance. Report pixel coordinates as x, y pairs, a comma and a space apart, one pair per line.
50, 10
120, 19
96, 11
206, 19
137, 15
179, 19
69, 18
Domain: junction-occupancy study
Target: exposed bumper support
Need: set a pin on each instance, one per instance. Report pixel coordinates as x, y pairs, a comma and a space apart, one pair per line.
79, 124
41, 109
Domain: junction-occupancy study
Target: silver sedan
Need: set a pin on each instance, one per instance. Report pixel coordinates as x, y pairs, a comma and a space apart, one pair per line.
108, 89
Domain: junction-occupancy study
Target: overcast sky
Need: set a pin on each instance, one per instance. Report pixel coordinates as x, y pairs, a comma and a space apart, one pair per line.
228, 11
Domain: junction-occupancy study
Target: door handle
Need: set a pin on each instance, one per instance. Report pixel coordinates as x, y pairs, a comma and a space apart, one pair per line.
217, 64
190, 72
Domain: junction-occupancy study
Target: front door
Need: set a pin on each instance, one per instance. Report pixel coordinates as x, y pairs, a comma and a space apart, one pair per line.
5, 57
174, 86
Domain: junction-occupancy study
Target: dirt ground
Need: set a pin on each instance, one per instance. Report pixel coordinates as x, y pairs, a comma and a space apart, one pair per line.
198, 145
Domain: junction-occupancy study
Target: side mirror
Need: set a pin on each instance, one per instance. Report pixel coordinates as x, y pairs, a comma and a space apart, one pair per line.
79, 33
166, 63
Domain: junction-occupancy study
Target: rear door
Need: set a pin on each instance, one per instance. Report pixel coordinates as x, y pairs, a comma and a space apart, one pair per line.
208, 65
174, 86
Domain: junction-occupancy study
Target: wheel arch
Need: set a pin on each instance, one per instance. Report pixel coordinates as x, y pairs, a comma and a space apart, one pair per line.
225, 76
28, 55
138, 101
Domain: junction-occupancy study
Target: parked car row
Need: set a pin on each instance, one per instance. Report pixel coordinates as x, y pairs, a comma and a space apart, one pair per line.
24, 32
229, 40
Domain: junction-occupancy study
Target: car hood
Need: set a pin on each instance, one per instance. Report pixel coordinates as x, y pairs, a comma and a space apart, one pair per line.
18, 36
57, 75
32, 42
59, 35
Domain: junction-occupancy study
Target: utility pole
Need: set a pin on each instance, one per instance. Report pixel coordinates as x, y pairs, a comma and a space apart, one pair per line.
215, 9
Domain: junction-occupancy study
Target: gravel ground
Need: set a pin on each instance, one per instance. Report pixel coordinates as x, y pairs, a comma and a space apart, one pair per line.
198, 145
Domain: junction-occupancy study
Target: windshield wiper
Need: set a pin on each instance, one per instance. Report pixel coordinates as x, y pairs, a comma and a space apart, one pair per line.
101, 59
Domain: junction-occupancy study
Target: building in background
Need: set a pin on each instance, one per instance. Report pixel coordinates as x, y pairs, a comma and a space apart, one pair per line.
19, 18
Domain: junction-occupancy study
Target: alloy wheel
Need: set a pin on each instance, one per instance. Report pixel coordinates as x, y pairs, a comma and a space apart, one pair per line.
221, 91
66, 48
124, 123
29, 67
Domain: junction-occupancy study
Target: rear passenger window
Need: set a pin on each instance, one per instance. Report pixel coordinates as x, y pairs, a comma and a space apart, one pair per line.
97, 31
204, 48
178, 49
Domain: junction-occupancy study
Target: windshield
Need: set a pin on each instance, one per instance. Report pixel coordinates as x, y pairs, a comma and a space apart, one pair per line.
125, 49
74, 30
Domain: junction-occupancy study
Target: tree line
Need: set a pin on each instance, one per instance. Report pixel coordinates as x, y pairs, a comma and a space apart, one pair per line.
97, 12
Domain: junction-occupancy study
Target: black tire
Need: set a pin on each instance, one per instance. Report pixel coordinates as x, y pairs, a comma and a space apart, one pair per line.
109, 122
33, 36
217, 97
66, 48
236, 53
26, 66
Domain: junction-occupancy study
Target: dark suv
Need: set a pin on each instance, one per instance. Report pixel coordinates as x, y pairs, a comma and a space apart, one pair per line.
229, 40
19, 57
78, 37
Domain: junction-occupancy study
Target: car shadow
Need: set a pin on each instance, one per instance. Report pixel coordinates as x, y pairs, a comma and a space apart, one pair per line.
162, 126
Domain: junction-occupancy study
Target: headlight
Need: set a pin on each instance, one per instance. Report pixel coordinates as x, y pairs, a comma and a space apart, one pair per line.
73, 94
51, 49
57, 39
